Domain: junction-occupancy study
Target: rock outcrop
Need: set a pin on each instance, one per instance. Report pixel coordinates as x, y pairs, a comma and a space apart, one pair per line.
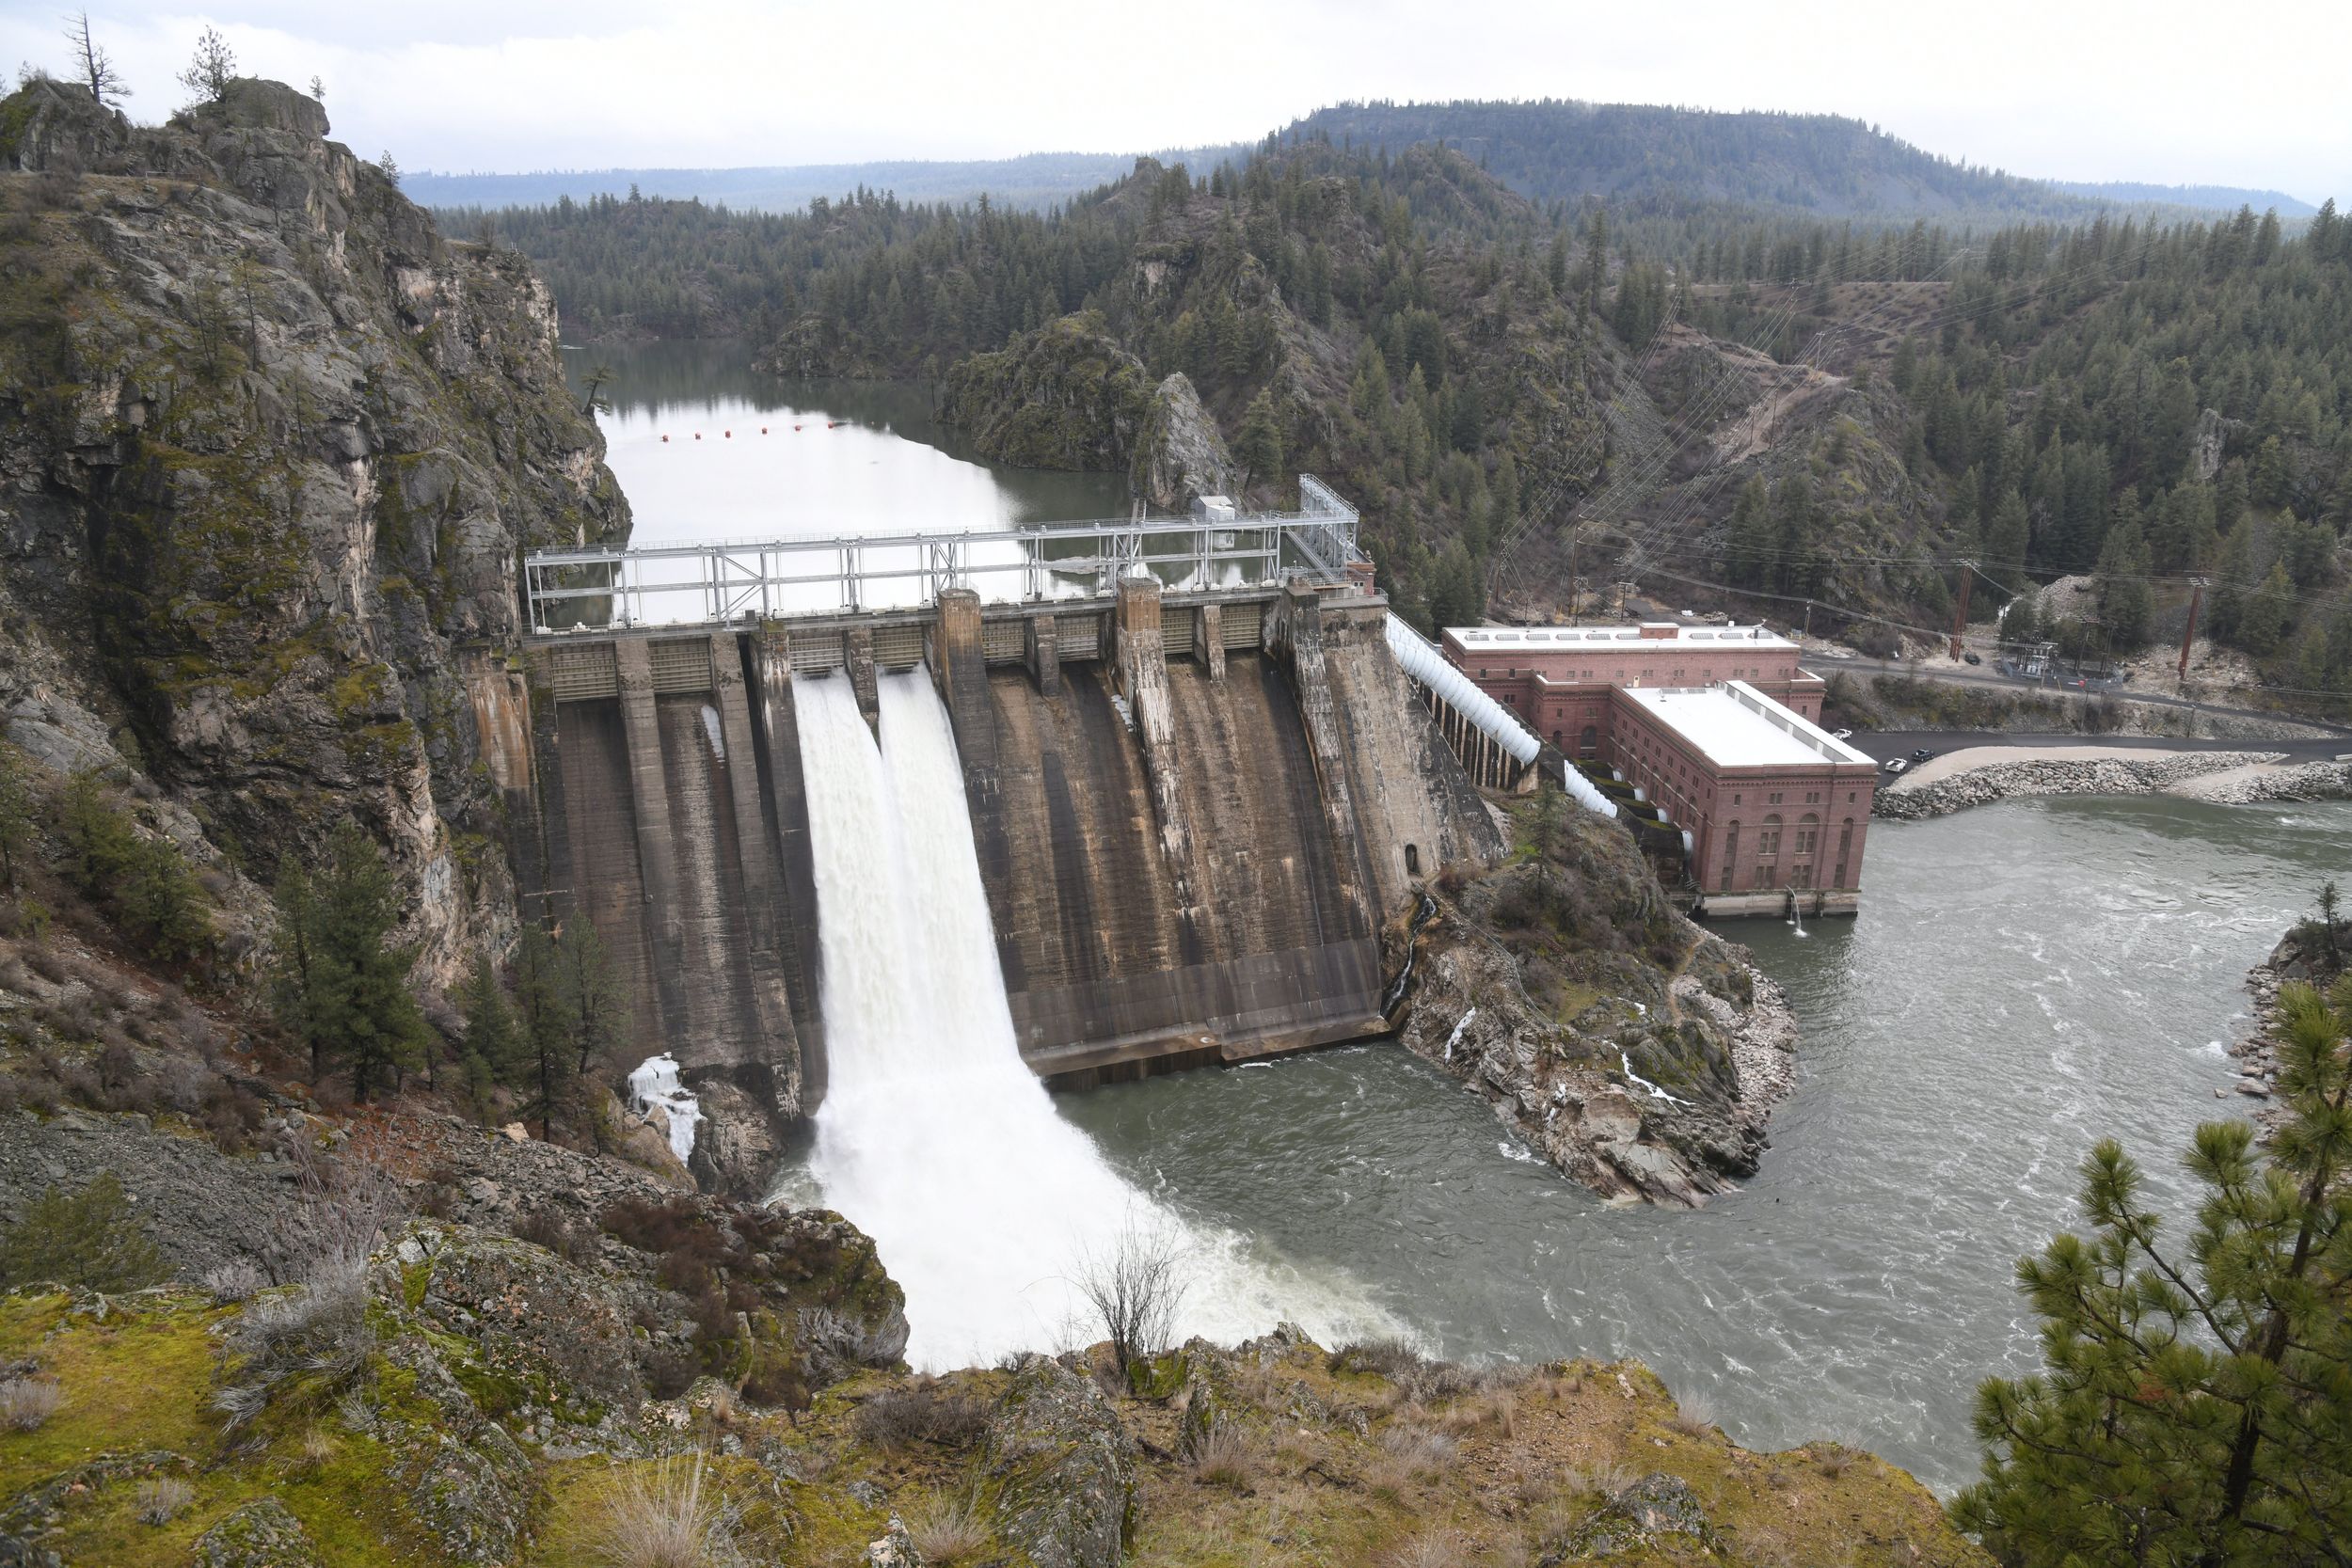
1637, 1053
1180, 454
1065, 396
269, 447
1059, 1469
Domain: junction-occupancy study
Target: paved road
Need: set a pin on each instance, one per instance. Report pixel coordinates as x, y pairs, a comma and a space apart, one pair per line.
1987, 675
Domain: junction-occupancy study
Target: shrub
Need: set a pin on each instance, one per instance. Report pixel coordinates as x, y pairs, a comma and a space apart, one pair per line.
87, 1240
555, 1233
922, 1411
947, 1531
239, 1279
164, 1499
314, 1340
1136, 1289
663, 1515
1692, 1418
25, 1402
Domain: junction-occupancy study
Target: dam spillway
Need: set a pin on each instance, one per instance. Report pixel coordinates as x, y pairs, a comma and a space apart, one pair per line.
1190, 812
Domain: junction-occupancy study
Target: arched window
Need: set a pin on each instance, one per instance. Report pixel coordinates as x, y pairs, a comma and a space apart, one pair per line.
1808, 834
1767, 838
1588, 743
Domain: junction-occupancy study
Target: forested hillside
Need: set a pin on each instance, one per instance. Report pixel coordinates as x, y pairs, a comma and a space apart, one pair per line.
1702, 396
1652, 156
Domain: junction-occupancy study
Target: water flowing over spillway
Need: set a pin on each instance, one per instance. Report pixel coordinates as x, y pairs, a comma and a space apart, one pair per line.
933, 1136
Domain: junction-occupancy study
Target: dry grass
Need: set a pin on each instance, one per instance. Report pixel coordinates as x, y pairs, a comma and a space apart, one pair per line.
26, 1402
1833, 1459
947, 1531
163, 1499
1431, 1549
1225, 1456
1692, 1418
1409, 1454
664, 1516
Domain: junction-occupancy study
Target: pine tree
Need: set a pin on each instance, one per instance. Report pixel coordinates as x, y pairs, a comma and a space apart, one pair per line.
341, 989
16, 811
2126, 603
213, 68
544, 1072
1259, 445
91, 1240
493, 1054
2197, 1408
1748, 550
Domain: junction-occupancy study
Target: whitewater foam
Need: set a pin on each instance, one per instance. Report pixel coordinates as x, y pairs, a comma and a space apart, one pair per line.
933, 1136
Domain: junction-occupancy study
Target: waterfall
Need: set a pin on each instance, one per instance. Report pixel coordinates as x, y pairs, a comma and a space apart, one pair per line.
934, 1137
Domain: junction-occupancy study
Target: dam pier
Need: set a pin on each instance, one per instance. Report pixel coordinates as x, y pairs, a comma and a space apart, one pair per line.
1197, 778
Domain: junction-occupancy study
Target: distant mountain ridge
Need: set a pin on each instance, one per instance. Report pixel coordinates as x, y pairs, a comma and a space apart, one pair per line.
1564, 151
1035, 180
2220, 199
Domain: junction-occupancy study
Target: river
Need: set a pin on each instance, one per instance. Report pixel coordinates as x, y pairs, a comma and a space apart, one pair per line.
2026, 978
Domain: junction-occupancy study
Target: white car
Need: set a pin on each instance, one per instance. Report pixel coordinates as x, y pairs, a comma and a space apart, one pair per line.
1841, 734
1898, 765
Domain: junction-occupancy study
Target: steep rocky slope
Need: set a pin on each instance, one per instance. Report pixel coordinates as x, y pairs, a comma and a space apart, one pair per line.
269, 447
462, 1394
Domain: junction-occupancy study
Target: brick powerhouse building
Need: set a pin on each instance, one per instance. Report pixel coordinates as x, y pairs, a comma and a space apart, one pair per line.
1713, 723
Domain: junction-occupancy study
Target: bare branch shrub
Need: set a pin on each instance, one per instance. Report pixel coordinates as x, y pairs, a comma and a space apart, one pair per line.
921, 1412
1136, 1289
164, 1499
1692, 1418
26, 1402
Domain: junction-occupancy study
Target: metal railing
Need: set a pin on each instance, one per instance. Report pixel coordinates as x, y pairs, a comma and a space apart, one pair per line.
599, 589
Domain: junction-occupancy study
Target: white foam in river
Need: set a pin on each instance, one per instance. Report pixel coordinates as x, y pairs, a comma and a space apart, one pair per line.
933, 1136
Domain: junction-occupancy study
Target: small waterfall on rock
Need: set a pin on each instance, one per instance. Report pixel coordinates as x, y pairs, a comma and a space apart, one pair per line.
933, 1136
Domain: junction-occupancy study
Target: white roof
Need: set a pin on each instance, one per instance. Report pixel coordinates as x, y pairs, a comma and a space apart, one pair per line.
1663, 634
1734, 725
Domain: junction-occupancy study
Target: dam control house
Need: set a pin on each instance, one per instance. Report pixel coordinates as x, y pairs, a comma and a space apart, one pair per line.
1718, 727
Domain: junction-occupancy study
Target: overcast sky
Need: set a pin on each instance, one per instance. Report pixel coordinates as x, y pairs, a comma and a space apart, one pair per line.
2248, 94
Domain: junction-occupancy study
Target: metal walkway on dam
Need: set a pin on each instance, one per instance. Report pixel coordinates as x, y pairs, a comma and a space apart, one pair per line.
1198, 784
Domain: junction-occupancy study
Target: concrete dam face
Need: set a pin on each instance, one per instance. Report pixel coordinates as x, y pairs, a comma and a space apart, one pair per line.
1189, 822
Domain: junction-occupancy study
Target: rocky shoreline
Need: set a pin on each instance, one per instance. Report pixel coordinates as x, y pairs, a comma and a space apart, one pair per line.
2256, 1049
2227, 777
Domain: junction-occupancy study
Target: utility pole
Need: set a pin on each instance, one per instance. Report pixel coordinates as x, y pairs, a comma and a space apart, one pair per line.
2196, 598
1960, 616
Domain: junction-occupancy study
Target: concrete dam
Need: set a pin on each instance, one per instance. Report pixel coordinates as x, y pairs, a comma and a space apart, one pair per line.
1197, 786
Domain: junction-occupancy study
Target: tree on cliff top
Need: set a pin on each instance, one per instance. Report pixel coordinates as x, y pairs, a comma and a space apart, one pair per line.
2196, 1409
209, 73
91, 65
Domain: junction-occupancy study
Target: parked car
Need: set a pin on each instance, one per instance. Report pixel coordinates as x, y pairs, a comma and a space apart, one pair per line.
1970, 658
1897, 765
1921, 754
1841, 734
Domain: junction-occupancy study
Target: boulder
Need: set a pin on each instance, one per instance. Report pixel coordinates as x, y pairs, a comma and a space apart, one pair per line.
1059, 1469
258, 1535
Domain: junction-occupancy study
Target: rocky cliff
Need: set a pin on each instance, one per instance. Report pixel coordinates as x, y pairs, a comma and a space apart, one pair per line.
269, 447
1638, 1054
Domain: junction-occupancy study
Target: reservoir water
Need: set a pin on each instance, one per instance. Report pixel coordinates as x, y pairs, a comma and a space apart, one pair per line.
2026, 978
779, 459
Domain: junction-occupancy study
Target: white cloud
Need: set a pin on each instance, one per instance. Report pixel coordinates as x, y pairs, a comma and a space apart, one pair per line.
2166, 91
